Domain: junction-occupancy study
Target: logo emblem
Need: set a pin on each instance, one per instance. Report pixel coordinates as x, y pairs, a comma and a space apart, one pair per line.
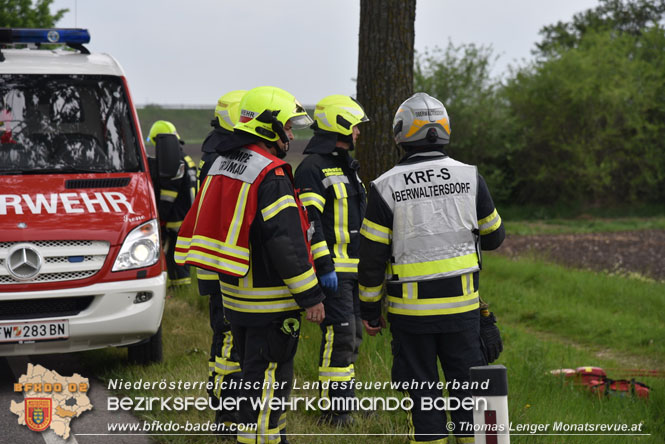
38, 413
53, 36
24, 262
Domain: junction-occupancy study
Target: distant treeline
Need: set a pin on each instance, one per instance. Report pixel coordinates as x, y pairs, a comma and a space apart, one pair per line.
583, 123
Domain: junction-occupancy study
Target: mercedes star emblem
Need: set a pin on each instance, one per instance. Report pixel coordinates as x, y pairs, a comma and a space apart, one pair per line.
24, 262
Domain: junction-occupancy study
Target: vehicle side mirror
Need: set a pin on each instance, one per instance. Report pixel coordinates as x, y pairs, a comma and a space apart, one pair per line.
167, 151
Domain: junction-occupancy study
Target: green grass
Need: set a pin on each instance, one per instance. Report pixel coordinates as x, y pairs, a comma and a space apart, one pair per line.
537, 397
192, 124
575, 219
579, 226
550, 316
618, 314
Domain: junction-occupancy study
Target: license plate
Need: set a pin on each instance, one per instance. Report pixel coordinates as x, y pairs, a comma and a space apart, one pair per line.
23, 332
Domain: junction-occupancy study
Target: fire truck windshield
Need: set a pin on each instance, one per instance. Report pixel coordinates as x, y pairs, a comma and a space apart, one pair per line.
65, 124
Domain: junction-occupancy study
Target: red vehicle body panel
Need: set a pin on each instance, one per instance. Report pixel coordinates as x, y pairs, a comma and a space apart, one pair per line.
49, 211
72, 220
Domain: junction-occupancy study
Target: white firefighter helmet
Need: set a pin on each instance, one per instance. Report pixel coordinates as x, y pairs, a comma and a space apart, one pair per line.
421, 120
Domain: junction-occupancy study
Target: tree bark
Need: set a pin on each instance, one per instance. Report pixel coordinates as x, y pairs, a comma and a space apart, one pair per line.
385, 78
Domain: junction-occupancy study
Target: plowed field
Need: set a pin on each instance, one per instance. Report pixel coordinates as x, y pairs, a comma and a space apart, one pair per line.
631, 252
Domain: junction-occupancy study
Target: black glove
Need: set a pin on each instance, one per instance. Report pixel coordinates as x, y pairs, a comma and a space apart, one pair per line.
490, 338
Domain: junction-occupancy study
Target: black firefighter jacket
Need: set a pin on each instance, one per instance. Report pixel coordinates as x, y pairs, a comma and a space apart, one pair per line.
176, 196
335, 199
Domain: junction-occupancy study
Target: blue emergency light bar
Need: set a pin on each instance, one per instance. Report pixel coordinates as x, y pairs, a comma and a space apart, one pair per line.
67, 36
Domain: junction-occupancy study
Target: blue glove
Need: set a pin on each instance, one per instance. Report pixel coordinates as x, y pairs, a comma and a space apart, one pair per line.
329, 281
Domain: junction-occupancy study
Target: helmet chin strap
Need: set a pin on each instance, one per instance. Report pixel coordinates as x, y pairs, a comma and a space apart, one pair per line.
277, 129
279, 153
348, 139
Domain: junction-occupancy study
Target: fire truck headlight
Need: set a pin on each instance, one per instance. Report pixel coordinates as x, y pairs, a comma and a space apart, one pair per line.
140, 249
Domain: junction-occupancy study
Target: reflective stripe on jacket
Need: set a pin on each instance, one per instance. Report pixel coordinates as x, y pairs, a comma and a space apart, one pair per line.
434, 231
335, 198
419, 246
217, 235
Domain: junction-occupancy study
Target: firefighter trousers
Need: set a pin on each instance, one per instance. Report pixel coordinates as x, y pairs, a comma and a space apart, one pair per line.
415, 359
223, 365
266, 358
341, 335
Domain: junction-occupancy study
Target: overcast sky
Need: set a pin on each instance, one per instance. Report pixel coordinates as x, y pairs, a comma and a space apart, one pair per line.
190, 52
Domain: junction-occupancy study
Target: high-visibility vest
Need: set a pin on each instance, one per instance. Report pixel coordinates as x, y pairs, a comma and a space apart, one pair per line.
435, 225
215, 233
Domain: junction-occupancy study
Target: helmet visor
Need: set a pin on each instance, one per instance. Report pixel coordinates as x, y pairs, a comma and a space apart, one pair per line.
301, 121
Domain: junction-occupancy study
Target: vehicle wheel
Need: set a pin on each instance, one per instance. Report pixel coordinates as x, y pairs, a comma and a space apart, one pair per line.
148, 351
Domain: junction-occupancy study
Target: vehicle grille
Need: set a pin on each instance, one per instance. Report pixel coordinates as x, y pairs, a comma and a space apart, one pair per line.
62, 260
114, 182
43, 308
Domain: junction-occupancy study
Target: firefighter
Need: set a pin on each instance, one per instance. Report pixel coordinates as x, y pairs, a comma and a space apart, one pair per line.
428, 219
217, 141
175, 198
223, 364
335, 199
250, 227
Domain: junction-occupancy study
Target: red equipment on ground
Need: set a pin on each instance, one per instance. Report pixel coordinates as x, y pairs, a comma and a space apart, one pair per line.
596, 380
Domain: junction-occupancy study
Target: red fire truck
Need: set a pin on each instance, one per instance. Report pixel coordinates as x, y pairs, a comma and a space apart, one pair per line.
80, 259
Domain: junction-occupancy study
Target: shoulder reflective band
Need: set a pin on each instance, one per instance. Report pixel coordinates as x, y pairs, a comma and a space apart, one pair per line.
167, 195
320, 249
376, 232
433, 306
302, 282
314, 199
370, 294
490, 223
274, 208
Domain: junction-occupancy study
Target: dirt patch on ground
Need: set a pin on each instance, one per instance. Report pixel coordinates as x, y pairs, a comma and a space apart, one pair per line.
638, 252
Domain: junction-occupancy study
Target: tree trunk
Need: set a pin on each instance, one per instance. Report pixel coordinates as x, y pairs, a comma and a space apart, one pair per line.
385, 78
